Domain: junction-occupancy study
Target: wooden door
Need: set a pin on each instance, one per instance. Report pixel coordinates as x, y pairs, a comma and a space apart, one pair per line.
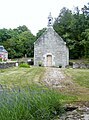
49, 60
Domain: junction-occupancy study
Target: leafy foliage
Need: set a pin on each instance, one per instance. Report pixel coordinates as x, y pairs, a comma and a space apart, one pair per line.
73, 28
40, 32
24, 65
18, 42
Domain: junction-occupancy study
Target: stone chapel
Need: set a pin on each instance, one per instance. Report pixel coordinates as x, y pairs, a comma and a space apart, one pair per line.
50, 49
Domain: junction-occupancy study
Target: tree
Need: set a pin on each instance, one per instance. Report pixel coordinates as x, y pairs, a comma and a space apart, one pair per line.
28, 39
18, 41
85, 10
40, 32
85, 43
63, 22
70, 26
4, 35
10, 45
21, 29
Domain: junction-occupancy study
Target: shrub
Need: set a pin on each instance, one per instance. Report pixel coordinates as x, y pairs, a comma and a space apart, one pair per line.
0, 59
24, 65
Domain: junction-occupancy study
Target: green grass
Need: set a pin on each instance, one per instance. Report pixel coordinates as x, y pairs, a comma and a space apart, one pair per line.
85, 61
80, 83
23, 59
24, 98
81, 76
20, 76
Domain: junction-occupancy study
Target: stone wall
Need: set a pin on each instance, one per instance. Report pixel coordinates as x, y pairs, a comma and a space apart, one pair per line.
80, 65
7, 64
50, 43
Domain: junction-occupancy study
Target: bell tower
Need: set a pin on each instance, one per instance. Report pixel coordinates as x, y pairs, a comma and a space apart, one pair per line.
50, 20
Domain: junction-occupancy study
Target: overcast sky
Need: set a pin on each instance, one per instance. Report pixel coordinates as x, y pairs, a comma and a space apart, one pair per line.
32, 13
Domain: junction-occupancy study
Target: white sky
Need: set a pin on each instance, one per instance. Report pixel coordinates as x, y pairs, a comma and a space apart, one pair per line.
32, 13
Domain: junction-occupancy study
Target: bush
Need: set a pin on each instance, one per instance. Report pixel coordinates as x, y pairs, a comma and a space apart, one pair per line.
24, 65
0, 59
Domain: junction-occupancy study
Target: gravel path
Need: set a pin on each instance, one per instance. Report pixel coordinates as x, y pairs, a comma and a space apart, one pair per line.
53, 77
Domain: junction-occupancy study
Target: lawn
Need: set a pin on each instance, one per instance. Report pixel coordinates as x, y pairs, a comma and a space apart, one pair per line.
80, 80
80, 76
85, 61
20, 76
22, 97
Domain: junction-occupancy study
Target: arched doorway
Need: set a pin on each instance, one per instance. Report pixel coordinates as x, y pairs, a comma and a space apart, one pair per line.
49, 60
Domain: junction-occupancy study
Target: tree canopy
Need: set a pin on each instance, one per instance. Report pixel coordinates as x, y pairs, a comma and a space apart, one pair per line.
18, 41
73, 27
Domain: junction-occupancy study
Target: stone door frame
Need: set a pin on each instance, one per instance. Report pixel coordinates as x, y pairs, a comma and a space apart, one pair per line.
45, 59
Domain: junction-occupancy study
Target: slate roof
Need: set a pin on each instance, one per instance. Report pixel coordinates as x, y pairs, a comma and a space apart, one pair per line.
2, 49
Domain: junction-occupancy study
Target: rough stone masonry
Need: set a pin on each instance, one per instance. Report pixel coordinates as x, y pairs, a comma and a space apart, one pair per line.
50, 49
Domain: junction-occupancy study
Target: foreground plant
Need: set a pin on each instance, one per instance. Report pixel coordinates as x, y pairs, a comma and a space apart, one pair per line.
31, 103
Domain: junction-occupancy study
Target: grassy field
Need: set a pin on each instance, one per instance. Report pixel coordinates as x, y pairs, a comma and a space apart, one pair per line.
80, 83
80, 76
77, 85
85, 61
22, 97
19, 76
